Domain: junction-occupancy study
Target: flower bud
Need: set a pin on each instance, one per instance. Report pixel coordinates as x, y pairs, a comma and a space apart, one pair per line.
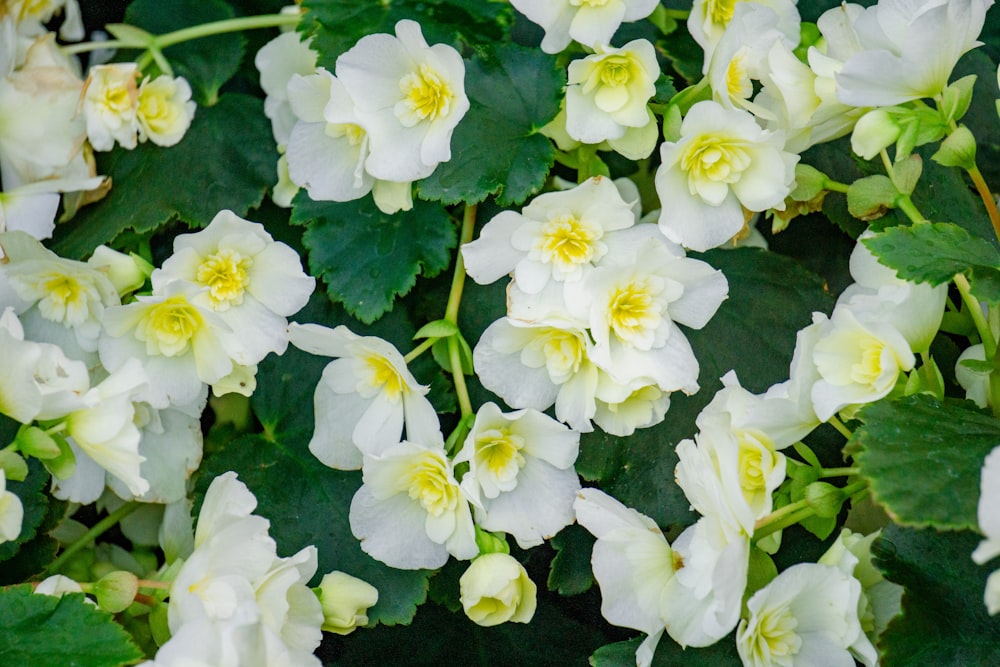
345, 600
958, 150
496, 589
874, 131
126, 272
116, 591
824, 499
869, 198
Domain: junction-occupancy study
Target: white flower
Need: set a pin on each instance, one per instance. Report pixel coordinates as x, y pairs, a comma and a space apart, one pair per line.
58, 585
622, 408
589, 22
859, 359
521, 473
110, 98
989, 526
975, 383
908, 49
277, 61
709, 19
410, 102
345, 600
249, 279
11, 512
32, 207
722, 163
556, 237
164, 110
411, 513
806, 616
365, 397
607, 92
496, 589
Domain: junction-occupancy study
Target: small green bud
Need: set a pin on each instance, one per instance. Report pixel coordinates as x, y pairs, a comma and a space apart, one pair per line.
874, 132
809, 182
958, 150
345, 601
13, 466
824, 499
489, 543
64, 465
956, 97
116, 590
869, 198
925, 380
33, 441
672, 123
126, 272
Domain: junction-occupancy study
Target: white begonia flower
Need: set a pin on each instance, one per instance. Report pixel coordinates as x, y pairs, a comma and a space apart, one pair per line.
880, 599
364, 398
109, 102
32, 207
11, 512
976, 383
181, 344
521, 473
709, 20
538, 365
278, 61
62, 301
38, 380
411, 97
607, 92
894, 64
40, 131
249, 279
859, 359
58, 585
633, 565
558, 236
496, 589
722, 164
623, 408
989, 526
164, 109
729, 476
589, 22
345, 601
807, 615
913, 309
633, 300
410, 513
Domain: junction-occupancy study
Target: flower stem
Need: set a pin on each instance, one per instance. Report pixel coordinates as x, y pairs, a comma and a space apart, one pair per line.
976, 313
839, 425
96, 531
420, 349
451, 311
987, 197
836, 186
838, 472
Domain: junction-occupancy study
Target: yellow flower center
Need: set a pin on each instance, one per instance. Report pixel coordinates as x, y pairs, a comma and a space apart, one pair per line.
169, 326
430, 483
66, 298
499, 451
720, 12
711, 161
426, 96
757, 460
588, 3
738, 82
868, 367
775, 642
226, 274
634, 312
561, 352
385, 376
567, 241
616, 70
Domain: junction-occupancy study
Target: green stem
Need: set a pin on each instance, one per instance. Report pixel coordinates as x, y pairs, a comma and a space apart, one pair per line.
836, 186
839, 472
886, 161
84, 47
451, 311
976, 313
906, 205
227, 25
839, 425
791, 514
96, 531
420, 349
987, 197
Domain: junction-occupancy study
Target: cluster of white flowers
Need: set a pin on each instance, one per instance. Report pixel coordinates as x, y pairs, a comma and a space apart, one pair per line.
593, 307
363, 128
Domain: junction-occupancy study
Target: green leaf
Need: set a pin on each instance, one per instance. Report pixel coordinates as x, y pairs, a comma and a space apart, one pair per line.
985, 284
931, 253
46, 631
944, 621
368, 258
571, 573
338, 24
437, 329
940, 444
496, 149
442, 354
668, 654
226, 161
206, 63
35, 502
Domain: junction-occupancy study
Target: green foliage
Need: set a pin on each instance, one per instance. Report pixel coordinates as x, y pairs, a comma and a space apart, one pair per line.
205, 63
35, 502
367, 258
940, 444
932, 253
225, 161
668, 653
944, 621
46, 631
571, 573
496, 149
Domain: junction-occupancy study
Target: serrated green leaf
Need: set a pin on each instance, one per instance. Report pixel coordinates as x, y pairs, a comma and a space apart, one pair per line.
225, 161
931, 253
940, 444
944, 621
496, 149
368, 258
206, 63
985, 284
46, 631
571, 571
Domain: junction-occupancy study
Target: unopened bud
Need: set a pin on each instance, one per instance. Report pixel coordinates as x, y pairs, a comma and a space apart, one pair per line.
116, 590
345, 601
874, 132
958, 150
824, 499
869, 198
